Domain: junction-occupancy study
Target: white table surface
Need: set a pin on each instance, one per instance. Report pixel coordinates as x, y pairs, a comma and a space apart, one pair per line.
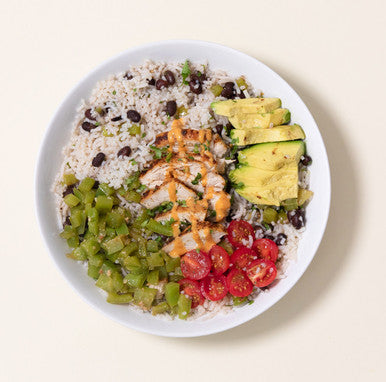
331, 325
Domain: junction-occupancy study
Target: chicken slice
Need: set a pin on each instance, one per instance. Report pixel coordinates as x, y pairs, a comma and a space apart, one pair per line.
154, 198
184, 214
215, 231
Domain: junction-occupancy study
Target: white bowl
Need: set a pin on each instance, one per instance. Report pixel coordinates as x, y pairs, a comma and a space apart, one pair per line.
236, 63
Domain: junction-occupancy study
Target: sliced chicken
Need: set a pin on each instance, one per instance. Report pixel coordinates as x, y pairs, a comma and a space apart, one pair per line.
154, 198
184, 214
209, 234
192, 142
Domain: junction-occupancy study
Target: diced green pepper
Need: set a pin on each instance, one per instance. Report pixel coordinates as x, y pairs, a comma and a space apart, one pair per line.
290, 204
114, 298
157, 227
162, 307
89, 196
103, 203
93, 271
86, 185
114, 219
226, 245
73, 242
78, 194
270, 215
163, 275
172, 263
152, 246
76, 218
155, 260
239, 300
132, 264
282, 217
144, 297
96, 260
69, 179
113, 245
82, 226
216, 90
184, 306
90, 246
132, 196
153, 277
129, 249
135, 279
106, 189
68, 232
71, 200
134, 130
172, 293
142, 252
122, 229
77, 254
241, 83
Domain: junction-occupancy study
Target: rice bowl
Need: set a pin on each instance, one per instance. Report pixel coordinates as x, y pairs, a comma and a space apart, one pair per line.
117, 170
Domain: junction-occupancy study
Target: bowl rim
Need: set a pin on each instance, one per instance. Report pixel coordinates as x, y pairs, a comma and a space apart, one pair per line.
40, 217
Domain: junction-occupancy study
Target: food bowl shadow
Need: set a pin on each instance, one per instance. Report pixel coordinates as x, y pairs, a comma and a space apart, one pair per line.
334, 252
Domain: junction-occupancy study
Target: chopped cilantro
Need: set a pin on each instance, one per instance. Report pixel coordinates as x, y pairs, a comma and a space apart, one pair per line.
181, 203
197, 250
185, 72
97, 123
158, 153
169, 157
196, 148
196, 179
143, 135
135, 89
163, 123
212, 213
141, 188
235, 140
190, 157
133, 162
199, 194
114, 92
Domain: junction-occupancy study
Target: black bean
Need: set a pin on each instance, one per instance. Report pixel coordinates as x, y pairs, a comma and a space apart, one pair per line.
219, 129
116, 119
281, 239
67, 221
124, 151
98, 159
195, 84
68, 190
170, 77
297, 218
241, 95
270, 237
88, 126
160, 84
88, 115
151, 82
228, 90
306, 160
128, 76
96, 185
133, 115
171, 108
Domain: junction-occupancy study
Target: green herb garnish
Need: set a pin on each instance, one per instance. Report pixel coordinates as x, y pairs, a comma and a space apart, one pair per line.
196, 179
114, 92
196, 148
181, 203
185, 73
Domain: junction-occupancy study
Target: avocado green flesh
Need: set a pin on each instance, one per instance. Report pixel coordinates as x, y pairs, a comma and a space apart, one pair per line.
272, 156
247, 105
274, 134
268, 172
264, 120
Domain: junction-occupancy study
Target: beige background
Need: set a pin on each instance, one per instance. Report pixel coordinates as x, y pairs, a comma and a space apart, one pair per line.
331, 326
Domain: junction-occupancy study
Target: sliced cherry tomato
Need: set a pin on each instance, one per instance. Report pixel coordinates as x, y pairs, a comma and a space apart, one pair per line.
195, 265
213, 287
220, 260
262, 272
242, 257
192, 289
239, 233
266, 249
238, 283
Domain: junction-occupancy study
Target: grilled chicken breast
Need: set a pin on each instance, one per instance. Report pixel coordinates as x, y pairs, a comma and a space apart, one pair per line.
154, 198
217, 231
184, 214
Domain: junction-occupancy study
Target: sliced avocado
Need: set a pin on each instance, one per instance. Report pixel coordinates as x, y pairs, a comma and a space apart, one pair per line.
266, 186
272, 156
275, 134
247, 105
247, 121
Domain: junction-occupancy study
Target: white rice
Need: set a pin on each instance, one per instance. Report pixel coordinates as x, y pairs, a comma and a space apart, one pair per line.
121, 95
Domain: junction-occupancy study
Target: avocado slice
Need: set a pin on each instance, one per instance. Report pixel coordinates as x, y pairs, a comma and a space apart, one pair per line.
264, 120
268, 172
266, 186
274, 134
247, 105
272, 156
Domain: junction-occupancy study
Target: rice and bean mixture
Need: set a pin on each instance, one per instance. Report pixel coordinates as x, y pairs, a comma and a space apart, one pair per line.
115, 128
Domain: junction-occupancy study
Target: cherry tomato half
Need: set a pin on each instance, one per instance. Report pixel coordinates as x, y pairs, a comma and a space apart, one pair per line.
242, 257
213, 287
266, 249
238, 283
239, 233
262, 272
192, 289
220, 260
195, 265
